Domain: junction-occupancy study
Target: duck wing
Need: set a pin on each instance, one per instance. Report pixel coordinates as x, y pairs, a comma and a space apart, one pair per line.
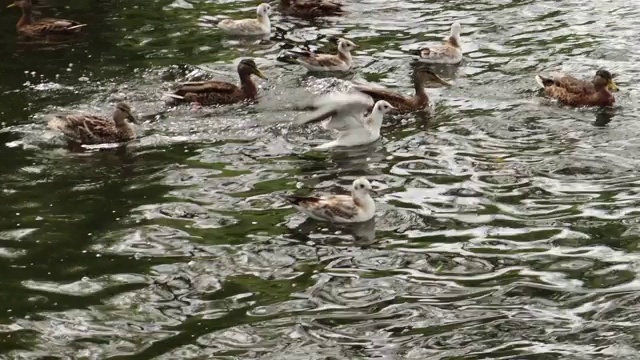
199, 87
88, 129
377, 94
316, 7
573, 85
50, 25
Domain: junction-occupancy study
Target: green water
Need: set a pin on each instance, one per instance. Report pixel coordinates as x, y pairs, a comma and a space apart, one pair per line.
506, 226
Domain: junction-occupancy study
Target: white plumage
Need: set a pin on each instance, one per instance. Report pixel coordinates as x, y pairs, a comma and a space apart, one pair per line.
259, 26
346, 114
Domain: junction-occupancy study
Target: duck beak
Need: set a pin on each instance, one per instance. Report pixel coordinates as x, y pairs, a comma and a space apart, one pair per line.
259, 74
612, 86
440, 80
12, 5
132, 118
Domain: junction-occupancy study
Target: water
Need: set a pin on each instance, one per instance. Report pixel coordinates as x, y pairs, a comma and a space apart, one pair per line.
506, 227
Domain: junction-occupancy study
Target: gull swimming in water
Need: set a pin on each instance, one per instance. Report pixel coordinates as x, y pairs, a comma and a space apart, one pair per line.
354, 208
341, 61
448, 53
346, 114
259, 26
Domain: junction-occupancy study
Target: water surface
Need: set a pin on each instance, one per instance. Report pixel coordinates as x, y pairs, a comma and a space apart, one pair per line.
507, 225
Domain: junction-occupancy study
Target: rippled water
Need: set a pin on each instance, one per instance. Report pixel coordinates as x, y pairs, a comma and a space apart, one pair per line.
507, 225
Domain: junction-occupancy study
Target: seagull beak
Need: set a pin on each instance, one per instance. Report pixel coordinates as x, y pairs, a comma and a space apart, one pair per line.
12, 5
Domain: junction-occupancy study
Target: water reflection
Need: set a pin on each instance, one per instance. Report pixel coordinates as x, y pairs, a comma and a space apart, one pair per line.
497, 210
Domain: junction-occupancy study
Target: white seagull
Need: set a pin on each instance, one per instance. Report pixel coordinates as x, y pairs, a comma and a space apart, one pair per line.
259, 26
346, 114
448, 53
354, 208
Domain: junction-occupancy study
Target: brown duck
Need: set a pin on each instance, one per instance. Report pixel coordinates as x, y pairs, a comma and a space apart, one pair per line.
219, 92
310, 8
575, 92
91, 129
44, 27
402, 103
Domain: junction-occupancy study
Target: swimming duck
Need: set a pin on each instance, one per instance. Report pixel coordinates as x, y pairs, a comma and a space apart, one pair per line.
219, 92
402, 103
26, 26
342, 61
448, 53
310, 8
354, 208
91, 129
575, 92
346, 114
259, 26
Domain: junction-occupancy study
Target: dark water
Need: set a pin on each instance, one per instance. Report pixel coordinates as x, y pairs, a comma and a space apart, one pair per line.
507, 226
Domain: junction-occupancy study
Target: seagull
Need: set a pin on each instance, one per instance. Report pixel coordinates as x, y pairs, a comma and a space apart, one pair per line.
341, 61
354, 208
259, 26
345, 113
448, 53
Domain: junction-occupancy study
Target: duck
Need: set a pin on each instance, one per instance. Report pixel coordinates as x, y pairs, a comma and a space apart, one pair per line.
346, 114
26, 26
249, 27
91, 129
214, 92
402, 103
341, 61
310, 8
355, 208
575, 92
448, 53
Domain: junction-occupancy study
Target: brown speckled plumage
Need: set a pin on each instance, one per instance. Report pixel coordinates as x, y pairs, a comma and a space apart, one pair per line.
405, 104
26, 26
91, 129
575, 92
310, 8
220, 92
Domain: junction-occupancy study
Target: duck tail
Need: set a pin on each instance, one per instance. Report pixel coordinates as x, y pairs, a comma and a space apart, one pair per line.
174, 96
543, 82
77, 27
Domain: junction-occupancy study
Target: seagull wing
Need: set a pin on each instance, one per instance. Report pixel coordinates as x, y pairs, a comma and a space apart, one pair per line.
345, 109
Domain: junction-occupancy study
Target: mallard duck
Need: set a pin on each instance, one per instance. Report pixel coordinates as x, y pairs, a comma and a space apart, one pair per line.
575, 92
354, 208
259, 26
346, 114
219, 92
327, 62
310, 8
91, 129
448, 53
28, 27
402, 103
